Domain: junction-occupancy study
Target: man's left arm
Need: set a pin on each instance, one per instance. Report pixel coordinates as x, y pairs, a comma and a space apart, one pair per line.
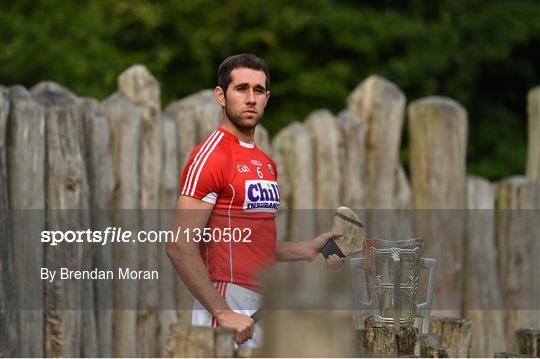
306, 250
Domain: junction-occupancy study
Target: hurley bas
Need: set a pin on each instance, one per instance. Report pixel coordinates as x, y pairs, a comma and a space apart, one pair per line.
122, 273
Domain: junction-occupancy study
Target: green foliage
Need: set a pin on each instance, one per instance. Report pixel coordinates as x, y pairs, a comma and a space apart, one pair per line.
484, 54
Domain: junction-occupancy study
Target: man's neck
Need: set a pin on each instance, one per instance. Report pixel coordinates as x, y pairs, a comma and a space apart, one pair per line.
247, 136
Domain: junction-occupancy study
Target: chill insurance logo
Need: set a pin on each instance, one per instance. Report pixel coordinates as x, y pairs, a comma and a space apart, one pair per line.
261, 196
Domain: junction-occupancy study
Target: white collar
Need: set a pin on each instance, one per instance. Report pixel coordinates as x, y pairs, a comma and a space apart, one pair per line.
246, 145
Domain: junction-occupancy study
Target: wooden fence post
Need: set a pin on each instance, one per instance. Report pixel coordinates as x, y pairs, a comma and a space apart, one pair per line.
325, 135
295, 145
199, 113
455, 333
400, 219
376, 342
89, 346
431, 346
26, 181
125, 123
381, 105
352, 160
283, 214
199, 342
200, 109
168, 194
384, 342
533, 151
482, 294
262, 139
183, 113
518, 230
67, 193
186, 131
509, 355
438, 136
307, 313
9, 313
196, 116
99, 168
138, 84
208, 114
528, 342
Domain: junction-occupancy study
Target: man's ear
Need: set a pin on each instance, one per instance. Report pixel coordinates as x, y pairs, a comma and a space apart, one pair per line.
220, 96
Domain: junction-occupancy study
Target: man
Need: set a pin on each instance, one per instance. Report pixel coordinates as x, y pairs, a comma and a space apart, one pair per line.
229, 194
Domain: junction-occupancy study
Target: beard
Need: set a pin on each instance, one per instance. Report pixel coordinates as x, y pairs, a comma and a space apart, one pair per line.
238, 122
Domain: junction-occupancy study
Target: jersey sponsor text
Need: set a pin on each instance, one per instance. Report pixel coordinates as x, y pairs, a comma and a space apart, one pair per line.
261, 196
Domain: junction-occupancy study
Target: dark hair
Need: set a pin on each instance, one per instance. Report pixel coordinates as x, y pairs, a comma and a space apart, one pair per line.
240, 60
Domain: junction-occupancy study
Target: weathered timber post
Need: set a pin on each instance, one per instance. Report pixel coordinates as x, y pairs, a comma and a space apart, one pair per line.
528, 342
307, 313
200, 109
509, 355
99, 168
199, 342
125, 121
430, 346
384, 342
325, 137
186, 130
438, 137
89, 346
381, 105
456, 335
352, 160
138, 84
295, 146
518, 230
208, 114
26, 187
533, 151
262, 140
482, 294
9, 314
401, 219
183, 113
283, 214
376, 342
247, 353
196, 116
67, 194
430, 352
168, 194
353, 169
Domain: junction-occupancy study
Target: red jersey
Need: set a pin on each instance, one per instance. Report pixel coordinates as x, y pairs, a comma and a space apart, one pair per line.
240, 180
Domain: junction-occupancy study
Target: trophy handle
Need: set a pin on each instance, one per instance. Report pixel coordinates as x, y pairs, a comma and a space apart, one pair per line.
424, 309
359, 263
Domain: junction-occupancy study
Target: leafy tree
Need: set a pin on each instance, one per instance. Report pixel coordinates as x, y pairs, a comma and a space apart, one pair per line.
481, 53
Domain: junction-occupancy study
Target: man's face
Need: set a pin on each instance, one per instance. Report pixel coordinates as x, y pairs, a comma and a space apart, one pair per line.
246, 97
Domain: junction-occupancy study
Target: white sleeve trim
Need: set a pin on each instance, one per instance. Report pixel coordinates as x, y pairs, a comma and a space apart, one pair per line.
210, 198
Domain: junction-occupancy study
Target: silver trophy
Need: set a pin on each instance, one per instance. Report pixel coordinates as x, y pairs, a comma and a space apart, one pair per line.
392, 273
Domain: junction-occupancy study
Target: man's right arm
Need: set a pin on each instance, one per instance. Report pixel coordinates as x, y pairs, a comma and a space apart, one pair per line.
184, 254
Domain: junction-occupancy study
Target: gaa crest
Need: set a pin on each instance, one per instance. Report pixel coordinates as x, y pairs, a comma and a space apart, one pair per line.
270, 169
